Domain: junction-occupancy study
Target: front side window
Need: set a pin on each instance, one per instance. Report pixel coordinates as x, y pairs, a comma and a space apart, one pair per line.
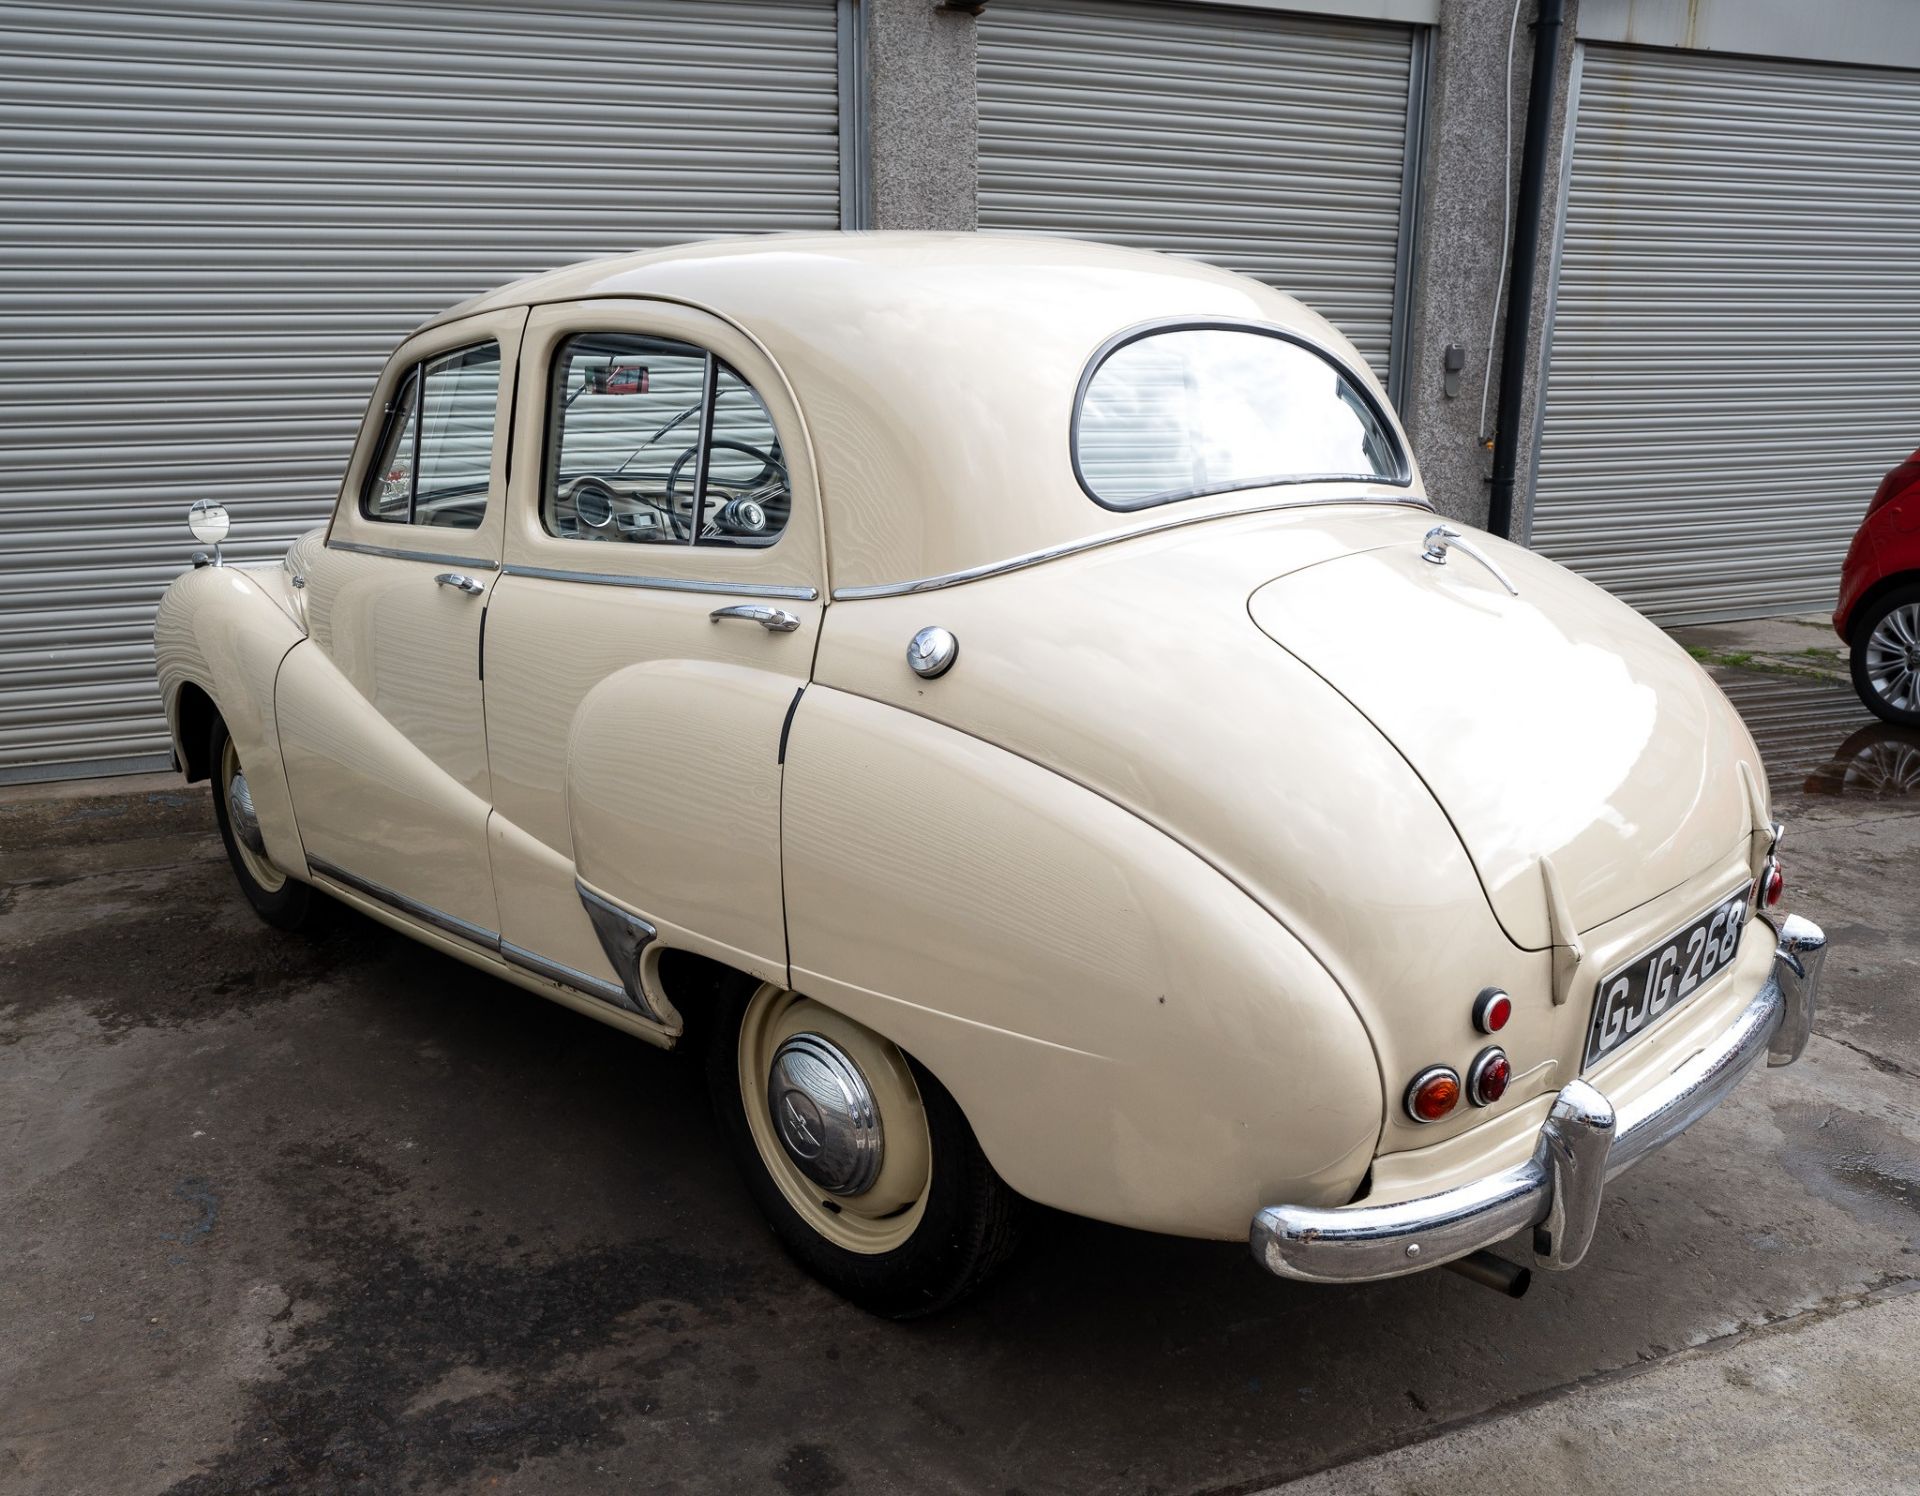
1186, 411
658, 442
435, 462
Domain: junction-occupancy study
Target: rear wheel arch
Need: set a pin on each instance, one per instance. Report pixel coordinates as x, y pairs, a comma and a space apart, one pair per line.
1102, 1001
931, 1222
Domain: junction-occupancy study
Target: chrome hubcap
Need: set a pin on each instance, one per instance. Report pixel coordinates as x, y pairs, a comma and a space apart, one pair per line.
245, 820
825, 1115
1893, 657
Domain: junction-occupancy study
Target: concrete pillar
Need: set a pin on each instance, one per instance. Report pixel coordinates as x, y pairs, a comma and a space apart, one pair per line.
1458, 263
923, 121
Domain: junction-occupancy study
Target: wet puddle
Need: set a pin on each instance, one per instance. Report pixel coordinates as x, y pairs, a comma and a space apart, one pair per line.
1855, 1162
1817, 738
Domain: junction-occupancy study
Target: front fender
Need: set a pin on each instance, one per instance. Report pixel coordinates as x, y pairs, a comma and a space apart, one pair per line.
220, 630
1132, 1037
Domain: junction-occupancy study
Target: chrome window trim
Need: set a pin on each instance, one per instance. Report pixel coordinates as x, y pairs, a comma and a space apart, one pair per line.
432, 557
566, 976
556, 421
1092, 542
426, 913
417, 372
1402, 476
666, 584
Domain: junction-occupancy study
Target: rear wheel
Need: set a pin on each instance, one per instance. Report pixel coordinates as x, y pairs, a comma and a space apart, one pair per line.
860, 1160
1886, 656
281, 901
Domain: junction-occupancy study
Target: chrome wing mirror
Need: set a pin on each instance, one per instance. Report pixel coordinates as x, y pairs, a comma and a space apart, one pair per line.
209, 522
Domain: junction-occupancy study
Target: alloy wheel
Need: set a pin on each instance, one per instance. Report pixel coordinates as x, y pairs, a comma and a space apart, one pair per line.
1893, 657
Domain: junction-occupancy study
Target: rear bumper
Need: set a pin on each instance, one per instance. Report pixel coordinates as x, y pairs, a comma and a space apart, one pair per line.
1584, 1142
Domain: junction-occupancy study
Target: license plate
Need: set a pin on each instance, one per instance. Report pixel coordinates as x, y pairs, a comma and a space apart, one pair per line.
1639, 994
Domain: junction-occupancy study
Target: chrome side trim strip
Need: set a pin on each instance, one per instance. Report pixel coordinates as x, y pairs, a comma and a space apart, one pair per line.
566, 976
399, 555
426, 913
1091, 542
520, 956
625, 938
667, 584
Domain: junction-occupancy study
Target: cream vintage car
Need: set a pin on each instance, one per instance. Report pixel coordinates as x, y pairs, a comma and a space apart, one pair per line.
1012, 702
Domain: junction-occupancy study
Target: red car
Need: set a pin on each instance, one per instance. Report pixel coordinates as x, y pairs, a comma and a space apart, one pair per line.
1879, 612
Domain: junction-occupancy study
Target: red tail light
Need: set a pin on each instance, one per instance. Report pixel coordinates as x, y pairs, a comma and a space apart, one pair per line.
1488, 1077
1773, 883
1491, 1010
1435, 1092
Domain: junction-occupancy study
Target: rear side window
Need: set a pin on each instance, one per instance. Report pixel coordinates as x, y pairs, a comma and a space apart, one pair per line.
657, 442
1176, 413
435, 463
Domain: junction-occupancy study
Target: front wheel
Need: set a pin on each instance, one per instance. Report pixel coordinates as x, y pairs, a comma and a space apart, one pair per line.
282, 902
862, 1163
1886, 656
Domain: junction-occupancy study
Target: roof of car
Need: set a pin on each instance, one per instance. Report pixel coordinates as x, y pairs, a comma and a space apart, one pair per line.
839, 264
937, 371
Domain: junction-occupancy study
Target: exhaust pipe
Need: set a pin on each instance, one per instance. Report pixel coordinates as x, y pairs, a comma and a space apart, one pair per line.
1494, 1272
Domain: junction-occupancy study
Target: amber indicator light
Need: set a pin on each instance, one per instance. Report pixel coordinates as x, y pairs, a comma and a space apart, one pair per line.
1433, 1094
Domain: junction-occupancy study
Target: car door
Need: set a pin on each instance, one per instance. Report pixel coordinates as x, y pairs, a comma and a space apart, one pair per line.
645, 647
380, 713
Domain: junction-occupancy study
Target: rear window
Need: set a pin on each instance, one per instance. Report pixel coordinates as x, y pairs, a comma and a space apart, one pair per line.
1174, 413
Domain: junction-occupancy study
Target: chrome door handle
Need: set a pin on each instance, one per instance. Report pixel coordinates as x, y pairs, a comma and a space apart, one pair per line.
774, 620
465, 584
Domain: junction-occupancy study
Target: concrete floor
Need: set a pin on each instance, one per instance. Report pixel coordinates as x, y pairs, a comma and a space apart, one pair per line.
327, 1214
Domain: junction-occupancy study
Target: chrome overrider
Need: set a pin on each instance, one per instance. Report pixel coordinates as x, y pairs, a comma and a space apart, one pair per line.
1584, 1142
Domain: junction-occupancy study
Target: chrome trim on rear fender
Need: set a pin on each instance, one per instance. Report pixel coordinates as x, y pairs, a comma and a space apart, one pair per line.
1092, 542
625, 936
1584, 1142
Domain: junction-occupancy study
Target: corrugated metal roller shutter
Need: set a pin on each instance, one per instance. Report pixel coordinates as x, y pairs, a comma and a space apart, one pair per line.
218, 216
1736, 339
1265, 143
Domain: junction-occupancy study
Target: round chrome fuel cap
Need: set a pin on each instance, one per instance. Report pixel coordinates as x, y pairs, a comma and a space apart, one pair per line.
825, 1114
932, 652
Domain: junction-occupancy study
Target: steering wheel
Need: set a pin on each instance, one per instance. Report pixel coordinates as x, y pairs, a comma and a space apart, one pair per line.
769, 464
592, 499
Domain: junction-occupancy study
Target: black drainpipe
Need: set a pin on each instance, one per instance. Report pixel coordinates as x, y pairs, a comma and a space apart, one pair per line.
1526, 249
